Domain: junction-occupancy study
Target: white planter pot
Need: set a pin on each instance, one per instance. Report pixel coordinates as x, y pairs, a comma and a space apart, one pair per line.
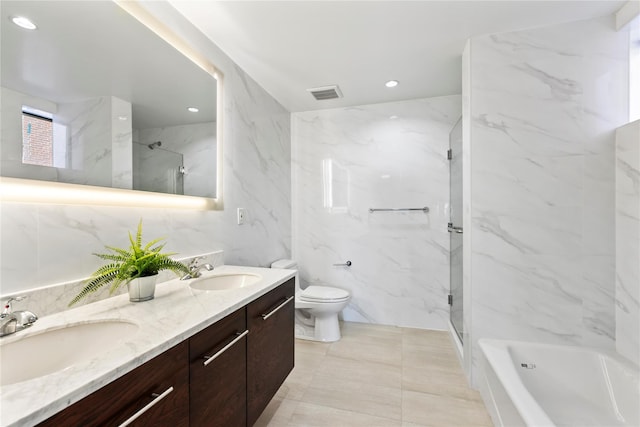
142, 288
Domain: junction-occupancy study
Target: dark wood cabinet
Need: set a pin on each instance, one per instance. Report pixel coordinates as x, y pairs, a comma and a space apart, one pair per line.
270, 346
225, 375
161, 385
218, 374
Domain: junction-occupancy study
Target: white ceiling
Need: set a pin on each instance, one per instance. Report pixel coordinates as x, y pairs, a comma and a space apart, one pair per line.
291, 46
68, 59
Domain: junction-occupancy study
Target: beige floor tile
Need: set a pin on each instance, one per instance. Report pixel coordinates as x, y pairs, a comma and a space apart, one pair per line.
384, 336
349, 328
308, 361
361, 371
370, 352
431, 357
277, 413
306, 346
443, 411
377, 376
354, 396
311, 415
437, 381
296, 384
428, 338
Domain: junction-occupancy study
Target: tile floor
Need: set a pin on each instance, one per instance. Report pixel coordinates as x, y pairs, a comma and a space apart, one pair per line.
380, 376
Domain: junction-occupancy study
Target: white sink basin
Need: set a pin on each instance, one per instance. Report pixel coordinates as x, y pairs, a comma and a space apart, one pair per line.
56, 349
221, 282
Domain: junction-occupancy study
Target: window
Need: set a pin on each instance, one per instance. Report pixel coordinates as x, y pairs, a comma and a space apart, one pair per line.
43, 141
37, 138
634, 71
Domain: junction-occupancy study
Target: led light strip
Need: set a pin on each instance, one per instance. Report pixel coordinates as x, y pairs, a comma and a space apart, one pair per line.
31, 191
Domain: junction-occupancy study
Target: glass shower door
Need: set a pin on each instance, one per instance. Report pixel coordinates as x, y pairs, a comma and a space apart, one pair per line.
156, 169
455, 228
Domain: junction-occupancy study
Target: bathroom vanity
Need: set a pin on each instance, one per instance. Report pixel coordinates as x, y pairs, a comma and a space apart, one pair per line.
229, 352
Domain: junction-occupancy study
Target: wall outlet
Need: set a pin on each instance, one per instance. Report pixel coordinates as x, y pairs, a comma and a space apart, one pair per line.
242, 213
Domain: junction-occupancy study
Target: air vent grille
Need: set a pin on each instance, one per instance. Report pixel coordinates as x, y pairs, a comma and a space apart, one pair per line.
326, 92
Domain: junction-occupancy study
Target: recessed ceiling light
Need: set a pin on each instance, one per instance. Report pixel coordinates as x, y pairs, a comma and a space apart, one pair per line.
23, 22
123, 118
393, 117
193, 109
391, 83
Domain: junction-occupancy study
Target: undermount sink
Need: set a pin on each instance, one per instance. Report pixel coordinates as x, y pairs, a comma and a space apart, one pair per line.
221, 282
56, 349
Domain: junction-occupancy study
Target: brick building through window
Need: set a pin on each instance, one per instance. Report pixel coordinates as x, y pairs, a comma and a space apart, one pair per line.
37, 139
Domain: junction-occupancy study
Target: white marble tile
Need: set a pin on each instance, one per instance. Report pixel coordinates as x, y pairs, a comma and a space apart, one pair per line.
90, 141
627, 267
349, 160
122, 140
544, 104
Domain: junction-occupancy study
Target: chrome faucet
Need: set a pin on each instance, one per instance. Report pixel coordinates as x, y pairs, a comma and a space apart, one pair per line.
195, 269
14, 321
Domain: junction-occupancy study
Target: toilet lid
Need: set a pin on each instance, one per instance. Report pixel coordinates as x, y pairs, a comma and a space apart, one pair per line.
323, 293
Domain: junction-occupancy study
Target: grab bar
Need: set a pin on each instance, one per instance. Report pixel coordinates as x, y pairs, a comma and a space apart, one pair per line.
425, 209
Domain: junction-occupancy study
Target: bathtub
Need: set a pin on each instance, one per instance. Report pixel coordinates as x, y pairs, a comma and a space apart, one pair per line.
529, 384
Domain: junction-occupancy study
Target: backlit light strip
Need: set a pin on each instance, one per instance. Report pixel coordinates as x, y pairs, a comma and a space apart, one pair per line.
31, 191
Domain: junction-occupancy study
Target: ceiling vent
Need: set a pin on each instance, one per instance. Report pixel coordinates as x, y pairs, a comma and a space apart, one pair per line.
326, 92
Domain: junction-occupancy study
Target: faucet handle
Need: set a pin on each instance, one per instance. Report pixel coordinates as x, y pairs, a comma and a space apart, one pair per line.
194, 262
6, 310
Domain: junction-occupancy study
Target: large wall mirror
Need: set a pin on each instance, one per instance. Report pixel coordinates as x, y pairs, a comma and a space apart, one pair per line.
94, 97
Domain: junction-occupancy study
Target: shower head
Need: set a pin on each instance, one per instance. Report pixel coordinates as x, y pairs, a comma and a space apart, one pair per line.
154, 145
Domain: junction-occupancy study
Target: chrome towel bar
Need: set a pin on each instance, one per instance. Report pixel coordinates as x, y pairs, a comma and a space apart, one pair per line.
425, 209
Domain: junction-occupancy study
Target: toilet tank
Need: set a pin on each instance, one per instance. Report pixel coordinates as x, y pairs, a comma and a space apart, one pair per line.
285, 263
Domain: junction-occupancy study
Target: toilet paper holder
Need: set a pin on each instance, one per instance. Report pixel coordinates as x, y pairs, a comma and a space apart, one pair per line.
346, 264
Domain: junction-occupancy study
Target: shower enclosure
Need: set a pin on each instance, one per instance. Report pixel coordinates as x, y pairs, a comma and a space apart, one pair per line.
157, 169
455, 227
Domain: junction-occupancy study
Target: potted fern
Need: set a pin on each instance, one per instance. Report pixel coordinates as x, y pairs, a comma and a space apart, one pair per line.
137, 267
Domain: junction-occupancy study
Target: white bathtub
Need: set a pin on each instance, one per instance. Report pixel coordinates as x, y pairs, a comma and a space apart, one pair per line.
529, 384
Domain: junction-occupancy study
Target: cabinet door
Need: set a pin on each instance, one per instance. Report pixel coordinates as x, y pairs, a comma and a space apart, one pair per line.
161, 386
218, 373
269, 346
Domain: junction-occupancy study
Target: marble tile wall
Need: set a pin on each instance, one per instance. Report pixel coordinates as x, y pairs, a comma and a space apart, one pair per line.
46, 244
122, 144
90, 141
543, 105
628, 241
390, 155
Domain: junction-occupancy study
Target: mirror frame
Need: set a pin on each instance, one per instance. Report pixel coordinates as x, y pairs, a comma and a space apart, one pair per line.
34, 191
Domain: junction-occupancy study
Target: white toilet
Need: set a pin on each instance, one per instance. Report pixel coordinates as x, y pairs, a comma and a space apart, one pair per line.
317, 308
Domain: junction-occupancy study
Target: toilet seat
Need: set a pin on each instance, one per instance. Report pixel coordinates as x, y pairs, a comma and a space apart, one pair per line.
326, 294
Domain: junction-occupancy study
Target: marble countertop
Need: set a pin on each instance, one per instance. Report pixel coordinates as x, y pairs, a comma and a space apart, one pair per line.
176, 313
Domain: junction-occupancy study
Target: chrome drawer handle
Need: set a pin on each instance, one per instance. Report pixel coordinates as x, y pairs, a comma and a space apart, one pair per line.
272, 312
209, 359
158, 398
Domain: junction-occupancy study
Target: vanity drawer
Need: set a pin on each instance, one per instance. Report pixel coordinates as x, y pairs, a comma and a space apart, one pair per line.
270, 346
218, 373
163, 380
